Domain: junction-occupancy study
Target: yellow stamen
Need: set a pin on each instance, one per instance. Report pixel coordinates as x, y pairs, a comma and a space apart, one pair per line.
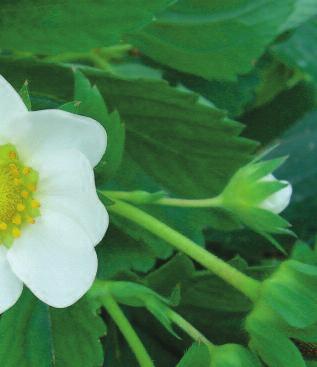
17, 219
3, 226
31, 187
30, 220
16, 232
35, 204
26, 170
12, 155
25, 194
20, 207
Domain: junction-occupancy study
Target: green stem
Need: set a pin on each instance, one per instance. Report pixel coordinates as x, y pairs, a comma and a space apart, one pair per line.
99, 57
91, 56
69, 57
99, 62
188, 328
231, 275
127, 330
134, 197
191, 203
114, 52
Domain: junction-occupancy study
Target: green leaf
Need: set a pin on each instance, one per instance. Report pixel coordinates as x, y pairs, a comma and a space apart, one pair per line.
90, 103
119, 353
208, 303
300, 142
232, 96
128, 246
169, 132
296, 52
198, 355
50, 27
119, 252
280, 113
189, 147
178, 270
154, 113
274, 77
304, 10
215, 40
34, 335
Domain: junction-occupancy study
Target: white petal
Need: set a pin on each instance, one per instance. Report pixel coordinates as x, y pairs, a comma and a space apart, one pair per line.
278, 201
55, 259
67, 185
53, 130
10, 104
10, 286
89, 214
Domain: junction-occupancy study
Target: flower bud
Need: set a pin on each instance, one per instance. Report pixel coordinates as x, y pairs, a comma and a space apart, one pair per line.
256, 198
278, 201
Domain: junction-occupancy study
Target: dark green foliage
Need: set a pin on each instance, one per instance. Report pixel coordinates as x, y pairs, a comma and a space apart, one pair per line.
201, 87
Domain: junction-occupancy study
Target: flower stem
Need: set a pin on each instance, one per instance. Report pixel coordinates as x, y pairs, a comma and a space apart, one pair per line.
127, 330
100, 57
188, 328
228, 273
191, 203
69, 57
134, 197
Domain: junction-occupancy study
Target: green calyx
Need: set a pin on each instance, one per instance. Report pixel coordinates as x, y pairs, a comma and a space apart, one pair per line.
226, 355
245, 193
284, 318
233, 355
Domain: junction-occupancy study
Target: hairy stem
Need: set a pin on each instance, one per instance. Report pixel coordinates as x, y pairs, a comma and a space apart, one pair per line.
127, 330
188, 328
229, 274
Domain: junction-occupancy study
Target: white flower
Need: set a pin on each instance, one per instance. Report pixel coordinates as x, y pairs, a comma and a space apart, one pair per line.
50, 215
278, 201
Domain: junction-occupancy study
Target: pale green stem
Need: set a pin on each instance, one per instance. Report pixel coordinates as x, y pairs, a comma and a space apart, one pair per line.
99, 57
186, 203
114, 52
191, 203
69, 57
90, 56
228, 273
127, 330
188, 328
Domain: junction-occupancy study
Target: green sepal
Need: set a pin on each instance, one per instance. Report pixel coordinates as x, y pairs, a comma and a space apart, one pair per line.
272, 345
259, 169
233, 355
137, 295
292, 289
245, 193
25, 95
285, 313
227, 355
198, 355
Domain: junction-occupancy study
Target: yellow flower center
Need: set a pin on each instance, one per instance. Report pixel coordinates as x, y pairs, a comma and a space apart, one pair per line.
18, 206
